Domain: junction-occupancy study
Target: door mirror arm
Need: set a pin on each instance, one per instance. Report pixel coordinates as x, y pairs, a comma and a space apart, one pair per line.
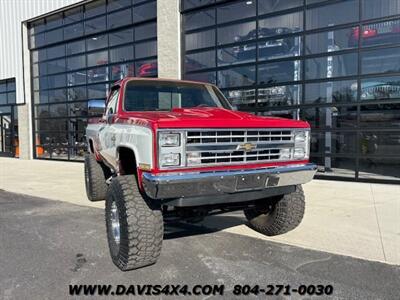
110, 119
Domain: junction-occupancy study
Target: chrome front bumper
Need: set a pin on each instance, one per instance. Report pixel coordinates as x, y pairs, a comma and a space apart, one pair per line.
186, 185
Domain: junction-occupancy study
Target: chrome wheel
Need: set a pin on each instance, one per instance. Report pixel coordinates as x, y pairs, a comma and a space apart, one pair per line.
115, 228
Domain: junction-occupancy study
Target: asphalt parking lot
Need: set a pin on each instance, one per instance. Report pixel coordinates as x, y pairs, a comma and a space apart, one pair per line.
47, 245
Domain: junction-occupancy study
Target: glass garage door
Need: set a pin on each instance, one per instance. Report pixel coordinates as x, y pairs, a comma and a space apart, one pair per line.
335, 64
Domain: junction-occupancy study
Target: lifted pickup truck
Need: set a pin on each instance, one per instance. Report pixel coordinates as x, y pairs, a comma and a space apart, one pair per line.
169, 150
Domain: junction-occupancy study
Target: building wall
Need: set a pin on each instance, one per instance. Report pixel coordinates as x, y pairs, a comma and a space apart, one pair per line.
332, 74
335, 64
12, 13
75, 56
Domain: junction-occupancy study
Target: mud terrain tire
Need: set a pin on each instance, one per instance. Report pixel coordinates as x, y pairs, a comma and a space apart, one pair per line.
278, 217
95, 180
140, 224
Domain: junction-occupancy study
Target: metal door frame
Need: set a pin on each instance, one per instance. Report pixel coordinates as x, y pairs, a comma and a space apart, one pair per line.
4, 153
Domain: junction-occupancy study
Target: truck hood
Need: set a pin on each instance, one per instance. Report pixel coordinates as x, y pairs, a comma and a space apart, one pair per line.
207, 117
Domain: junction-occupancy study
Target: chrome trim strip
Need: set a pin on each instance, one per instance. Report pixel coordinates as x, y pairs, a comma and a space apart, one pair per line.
184, 184
287, 141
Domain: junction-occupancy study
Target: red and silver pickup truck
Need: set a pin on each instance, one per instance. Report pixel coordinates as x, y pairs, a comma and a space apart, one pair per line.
176, 150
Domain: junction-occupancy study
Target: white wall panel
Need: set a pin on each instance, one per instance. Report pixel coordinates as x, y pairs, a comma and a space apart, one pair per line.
12, 13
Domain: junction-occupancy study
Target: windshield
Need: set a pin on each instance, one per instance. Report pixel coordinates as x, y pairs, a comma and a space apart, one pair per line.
164, 96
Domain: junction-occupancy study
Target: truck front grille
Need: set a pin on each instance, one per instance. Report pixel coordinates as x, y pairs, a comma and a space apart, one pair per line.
207, 147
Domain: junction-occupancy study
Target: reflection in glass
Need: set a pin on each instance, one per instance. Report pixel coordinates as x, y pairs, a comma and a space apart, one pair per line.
269, 6
331, 92
199, 19
380, 88
380, 115
77, 93
328, 15
117, 4
236, 55
146, 49
335, 166
331, 66
76, 62
73, 31
59, 95
236, 11
95, 25
97, 75
54, 36
239, 76
380, 168
195, 3
144, 12
73, 15
121, 37
121, 54
381, 61
237, 33
276, 72
200, 40
198, 61
270, 97
202, 77
379, 143
146, 31
330, 41
276, 96
375, 9
333, 143
56, 66
97, 42
119, 18
97, 58
122, 70
58, 110
146, 68
379, 33
280, 25
75, 47
78, 109
97, 91
330, 117
55, 52
279, 48
95, 8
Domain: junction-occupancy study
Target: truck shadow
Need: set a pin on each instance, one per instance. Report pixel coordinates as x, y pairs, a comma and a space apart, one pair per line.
175, 230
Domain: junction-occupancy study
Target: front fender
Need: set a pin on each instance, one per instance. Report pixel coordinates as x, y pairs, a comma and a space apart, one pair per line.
138, 139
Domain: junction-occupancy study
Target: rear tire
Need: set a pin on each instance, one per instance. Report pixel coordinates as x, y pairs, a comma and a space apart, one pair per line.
95, 179
135, 226
278, 217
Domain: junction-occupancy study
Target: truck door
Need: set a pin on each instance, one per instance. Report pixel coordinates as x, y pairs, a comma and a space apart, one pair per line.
107, 133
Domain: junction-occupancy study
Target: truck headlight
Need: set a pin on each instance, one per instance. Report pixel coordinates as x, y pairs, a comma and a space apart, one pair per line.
301, 144
299, 153
300, 137
170, 159
170, 139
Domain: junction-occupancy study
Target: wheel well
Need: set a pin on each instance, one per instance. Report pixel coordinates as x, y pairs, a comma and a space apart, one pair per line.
127, 161
91, 147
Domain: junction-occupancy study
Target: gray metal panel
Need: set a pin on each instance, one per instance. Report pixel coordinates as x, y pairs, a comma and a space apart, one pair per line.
12, 13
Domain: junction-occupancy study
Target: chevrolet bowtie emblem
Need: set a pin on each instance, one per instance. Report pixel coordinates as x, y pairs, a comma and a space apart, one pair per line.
246, 147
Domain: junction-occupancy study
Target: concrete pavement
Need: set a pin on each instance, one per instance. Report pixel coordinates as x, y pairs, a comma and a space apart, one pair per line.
354, 219
47, 245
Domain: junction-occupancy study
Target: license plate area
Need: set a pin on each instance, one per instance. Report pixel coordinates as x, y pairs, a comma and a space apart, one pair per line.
250, 182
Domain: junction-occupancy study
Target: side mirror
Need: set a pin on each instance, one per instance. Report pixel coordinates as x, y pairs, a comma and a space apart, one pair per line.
96, 108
